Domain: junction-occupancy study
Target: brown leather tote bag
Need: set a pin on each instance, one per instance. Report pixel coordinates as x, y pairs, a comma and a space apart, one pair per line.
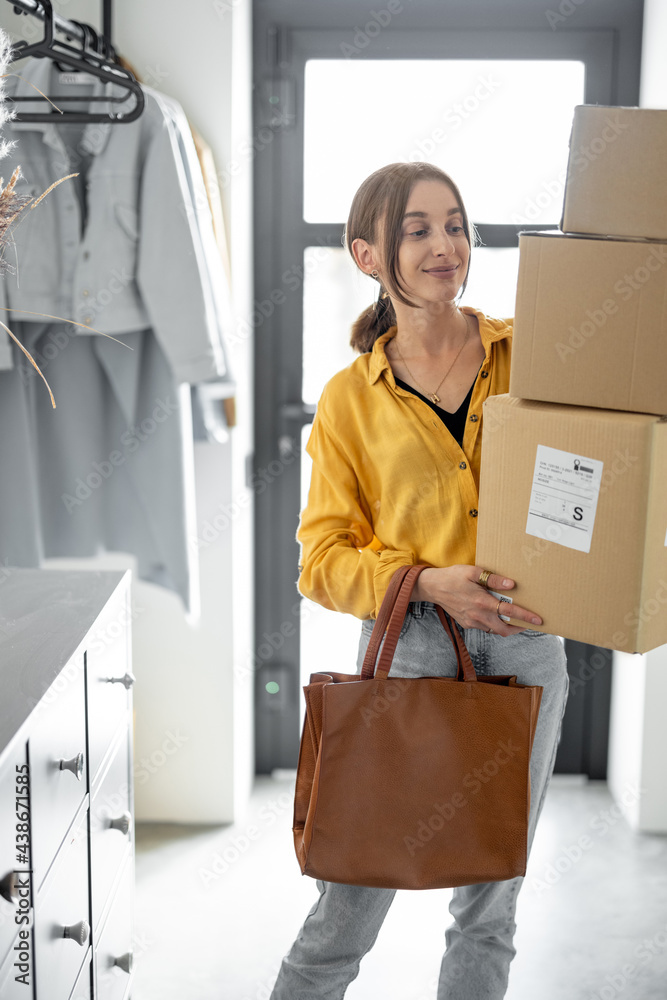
413, 783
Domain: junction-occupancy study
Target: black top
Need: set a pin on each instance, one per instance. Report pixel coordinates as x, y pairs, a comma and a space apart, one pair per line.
454, 422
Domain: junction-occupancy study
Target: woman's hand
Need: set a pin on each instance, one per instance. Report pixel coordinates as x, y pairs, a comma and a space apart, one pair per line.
455, 588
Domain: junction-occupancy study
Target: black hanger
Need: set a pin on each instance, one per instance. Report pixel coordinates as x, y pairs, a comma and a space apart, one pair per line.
95, 56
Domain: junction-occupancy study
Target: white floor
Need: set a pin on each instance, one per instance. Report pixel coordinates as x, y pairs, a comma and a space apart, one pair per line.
217, 908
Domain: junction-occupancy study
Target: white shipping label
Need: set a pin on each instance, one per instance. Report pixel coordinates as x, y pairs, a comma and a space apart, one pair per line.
76, 78
564, 498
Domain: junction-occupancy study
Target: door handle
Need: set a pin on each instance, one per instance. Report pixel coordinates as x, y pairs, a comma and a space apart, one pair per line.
292, 414
300, 412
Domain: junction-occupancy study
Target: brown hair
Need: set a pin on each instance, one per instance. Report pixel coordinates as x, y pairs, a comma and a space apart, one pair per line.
382, 198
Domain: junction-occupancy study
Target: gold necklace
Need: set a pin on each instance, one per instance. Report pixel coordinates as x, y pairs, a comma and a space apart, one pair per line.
433, 396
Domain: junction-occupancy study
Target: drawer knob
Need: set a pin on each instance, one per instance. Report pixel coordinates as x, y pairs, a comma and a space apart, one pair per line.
78, 932
127, 680
8, 888
124, 962
122, 823
75, 765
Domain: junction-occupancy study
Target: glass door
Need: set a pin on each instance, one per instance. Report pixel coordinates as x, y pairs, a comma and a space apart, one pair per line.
494, 113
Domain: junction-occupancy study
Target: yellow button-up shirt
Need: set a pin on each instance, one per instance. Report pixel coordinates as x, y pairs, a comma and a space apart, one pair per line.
390, 486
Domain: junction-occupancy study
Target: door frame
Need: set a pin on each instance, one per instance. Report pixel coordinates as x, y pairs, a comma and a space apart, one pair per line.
287, 34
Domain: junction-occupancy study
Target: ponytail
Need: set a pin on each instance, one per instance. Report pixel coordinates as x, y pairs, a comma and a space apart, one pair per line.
372, 323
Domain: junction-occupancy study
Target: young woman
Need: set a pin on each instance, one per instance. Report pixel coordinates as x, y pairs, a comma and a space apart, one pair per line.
396, 456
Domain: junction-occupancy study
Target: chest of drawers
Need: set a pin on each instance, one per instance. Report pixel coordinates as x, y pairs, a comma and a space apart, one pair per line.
66, 793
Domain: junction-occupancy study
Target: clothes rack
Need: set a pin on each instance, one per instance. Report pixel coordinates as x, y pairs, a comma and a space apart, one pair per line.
95, 55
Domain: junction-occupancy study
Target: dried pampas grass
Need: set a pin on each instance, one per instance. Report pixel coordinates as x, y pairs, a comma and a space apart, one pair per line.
6, 112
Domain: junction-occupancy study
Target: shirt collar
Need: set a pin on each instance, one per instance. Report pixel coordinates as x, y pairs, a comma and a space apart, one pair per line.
379, 363
39, 72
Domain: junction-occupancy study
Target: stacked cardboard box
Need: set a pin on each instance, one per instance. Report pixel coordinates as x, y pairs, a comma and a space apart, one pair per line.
573, 492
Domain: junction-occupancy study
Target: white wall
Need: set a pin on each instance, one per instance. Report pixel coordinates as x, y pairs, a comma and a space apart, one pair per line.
653, 90
638, 738
638, 735
199, 53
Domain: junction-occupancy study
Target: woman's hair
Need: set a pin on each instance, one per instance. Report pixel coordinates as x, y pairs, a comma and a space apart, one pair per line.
377, 211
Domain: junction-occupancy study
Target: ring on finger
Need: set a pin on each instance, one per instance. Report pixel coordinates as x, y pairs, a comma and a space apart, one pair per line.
483, 578
503, 618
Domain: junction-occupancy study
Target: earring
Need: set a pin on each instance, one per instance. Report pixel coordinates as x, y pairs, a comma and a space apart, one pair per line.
374, 274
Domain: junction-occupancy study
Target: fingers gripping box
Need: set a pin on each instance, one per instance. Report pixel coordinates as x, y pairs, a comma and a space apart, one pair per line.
573, 507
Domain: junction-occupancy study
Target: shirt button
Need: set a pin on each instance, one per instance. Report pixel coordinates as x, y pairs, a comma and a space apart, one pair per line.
85, 292
485, 375
473, 417
473, 512
87, 320
462, 465
86, 254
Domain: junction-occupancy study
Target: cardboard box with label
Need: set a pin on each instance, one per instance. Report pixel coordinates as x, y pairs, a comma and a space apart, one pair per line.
573, 507
590, 324
615, 183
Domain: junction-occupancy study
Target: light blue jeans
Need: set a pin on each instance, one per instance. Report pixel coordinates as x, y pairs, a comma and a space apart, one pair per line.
344, 922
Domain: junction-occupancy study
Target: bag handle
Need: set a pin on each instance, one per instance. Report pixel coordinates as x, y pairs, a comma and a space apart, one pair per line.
382, 619
466, 670
393, 610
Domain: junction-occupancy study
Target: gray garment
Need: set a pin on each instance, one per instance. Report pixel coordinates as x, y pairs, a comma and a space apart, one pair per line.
208, 420
345, 920
135, 258
123, 247
108, 468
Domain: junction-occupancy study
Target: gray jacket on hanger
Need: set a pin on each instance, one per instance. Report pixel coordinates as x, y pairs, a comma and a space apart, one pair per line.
125, 255
118, 248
